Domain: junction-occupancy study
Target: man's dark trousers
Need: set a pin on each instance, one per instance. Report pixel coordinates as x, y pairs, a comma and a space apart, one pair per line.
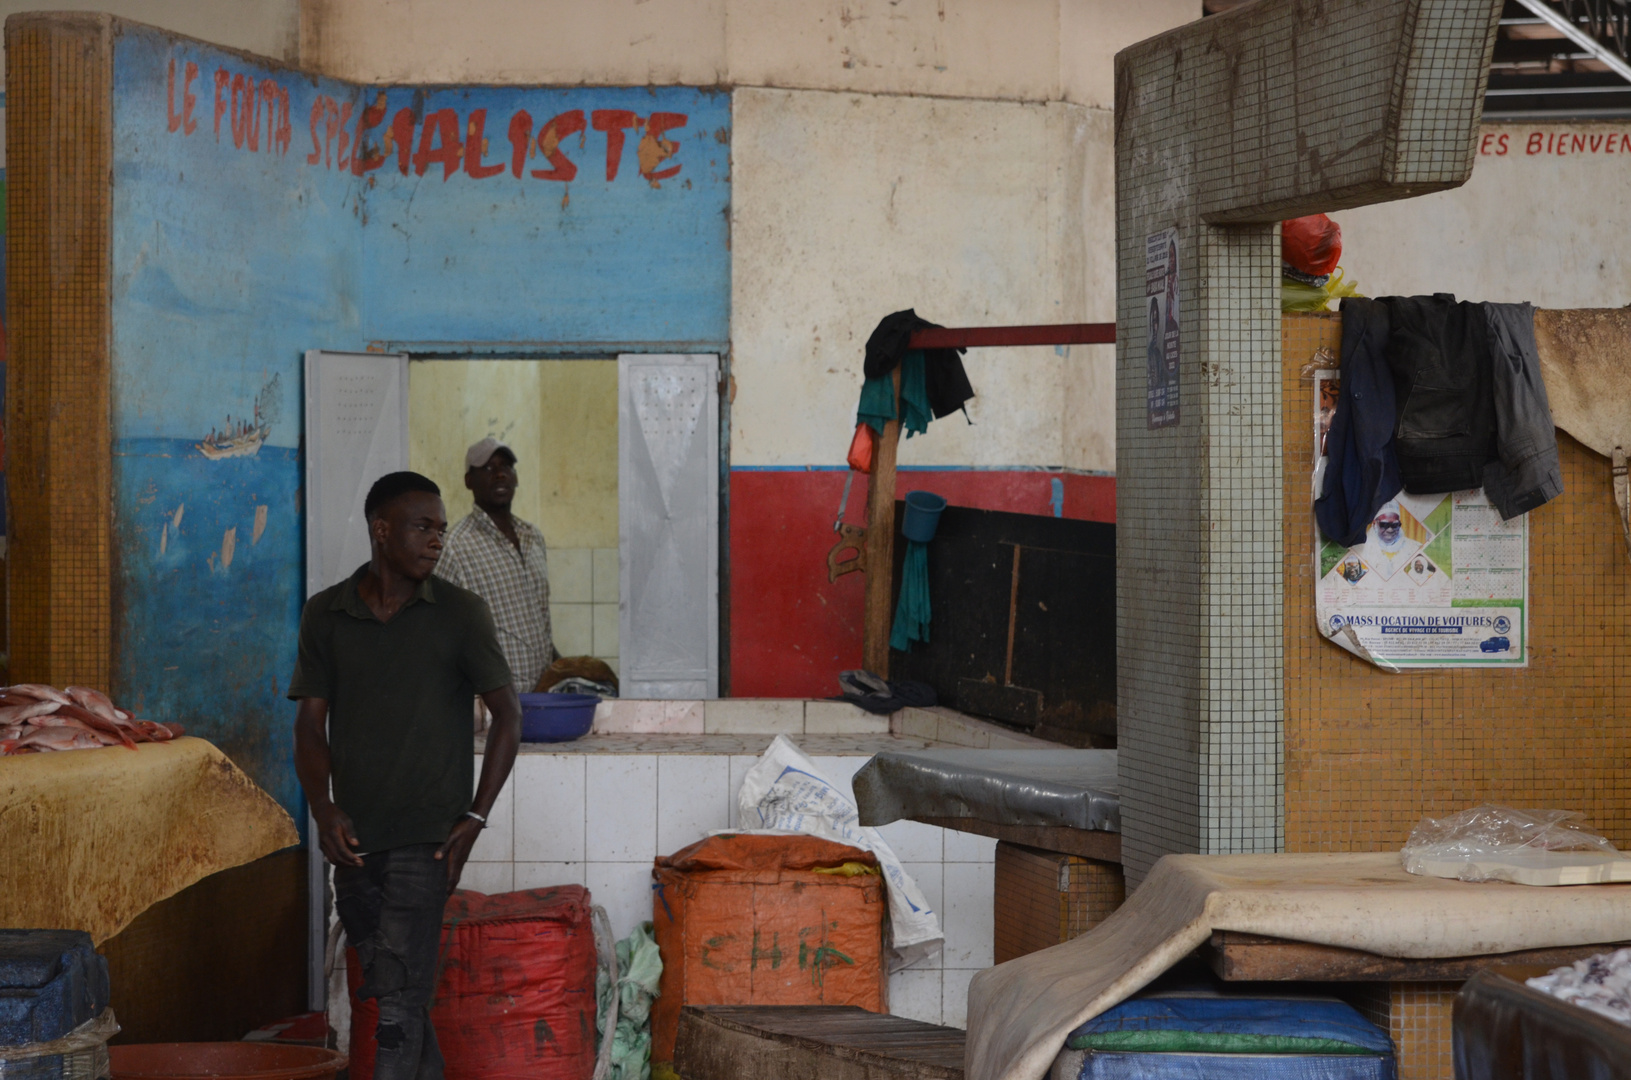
391, 907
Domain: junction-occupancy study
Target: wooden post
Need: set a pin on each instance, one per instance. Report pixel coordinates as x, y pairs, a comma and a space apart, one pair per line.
880, 546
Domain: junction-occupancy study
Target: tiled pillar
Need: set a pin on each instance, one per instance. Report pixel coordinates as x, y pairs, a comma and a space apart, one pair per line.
1225, 127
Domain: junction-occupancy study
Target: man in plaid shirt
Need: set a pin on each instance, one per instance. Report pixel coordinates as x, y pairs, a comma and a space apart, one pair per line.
502, 559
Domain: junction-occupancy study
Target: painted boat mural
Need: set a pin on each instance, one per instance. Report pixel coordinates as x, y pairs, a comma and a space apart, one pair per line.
243, 438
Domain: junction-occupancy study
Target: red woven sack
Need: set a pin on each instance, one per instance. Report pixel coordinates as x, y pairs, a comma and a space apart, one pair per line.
1311, 244
516, 996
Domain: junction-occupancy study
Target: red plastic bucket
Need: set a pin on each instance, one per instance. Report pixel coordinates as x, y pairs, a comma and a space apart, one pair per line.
223, 1061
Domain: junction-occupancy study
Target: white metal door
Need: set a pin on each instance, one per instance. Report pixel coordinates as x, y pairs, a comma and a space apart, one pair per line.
668, 525
356, 432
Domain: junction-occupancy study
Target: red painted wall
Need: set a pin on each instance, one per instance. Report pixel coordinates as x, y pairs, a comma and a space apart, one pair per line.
791, 631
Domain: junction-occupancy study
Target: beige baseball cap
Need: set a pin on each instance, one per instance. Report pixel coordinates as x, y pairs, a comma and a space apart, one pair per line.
478, 454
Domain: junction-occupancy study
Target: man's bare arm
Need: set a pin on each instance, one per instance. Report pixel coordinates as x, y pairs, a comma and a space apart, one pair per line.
503, 739
335, 833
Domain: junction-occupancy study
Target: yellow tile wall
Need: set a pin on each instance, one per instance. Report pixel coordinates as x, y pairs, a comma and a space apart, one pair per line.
59, 142
1417, 1016
1368, 754
560, 418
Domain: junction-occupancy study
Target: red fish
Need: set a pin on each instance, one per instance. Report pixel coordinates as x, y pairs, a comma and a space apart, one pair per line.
39, 693
94, 700
54, 738
29, 710
97, 723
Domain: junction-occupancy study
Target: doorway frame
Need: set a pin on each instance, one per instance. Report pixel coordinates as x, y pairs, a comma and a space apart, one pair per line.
611, 350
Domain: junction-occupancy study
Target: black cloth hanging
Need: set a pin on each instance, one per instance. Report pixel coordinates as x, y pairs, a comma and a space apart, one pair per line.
946, 381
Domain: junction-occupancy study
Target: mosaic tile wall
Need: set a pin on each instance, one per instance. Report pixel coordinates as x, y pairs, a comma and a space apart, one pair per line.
59, 141
1418, 1017
1272, 110
1368, 753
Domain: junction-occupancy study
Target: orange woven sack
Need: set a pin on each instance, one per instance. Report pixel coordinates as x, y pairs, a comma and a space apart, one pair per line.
749, 920
516, 995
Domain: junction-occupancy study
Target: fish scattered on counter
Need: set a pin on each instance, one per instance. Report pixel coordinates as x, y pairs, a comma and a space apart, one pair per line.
35, 718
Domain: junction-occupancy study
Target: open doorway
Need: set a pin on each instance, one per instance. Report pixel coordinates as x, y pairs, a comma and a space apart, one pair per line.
560, 419
624, 470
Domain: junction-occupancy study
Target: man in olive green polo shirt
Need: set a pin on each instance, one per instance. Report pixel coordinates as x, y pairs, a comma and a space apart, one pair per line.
389, 662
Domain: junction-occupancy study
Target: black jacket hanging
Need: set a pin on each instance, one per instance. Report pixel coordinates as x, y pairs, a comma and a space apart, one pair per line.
945, 380
1438, 351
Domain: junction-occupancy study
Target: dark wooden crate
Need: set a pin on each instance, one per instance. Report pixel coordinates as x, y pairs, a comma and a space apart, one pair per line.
1044, 898
812, 1042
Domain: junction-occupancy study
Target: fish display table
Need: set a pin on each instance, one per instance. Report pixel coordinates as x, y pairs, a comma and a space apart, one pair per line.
1021, 1012
95, 837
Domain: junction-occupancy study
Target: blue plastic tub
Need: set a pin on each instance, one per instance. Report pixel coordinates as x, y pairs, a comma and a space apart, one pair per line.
922, 515
557, 717
51, 981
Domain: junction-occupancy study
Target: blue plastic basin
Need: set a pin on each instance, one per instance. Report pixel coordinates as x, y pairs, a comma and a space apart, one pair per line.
557, 717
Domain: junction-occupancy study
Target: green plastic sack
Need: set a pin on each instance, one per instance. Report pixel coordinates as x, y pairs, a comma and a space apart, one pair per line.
639, 967
1299, 296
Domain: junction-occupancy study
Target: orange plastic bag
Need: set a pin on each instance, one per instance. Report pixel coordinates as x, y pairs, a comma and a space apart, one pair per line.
862, 449
1311, 244
749, 920
516, 997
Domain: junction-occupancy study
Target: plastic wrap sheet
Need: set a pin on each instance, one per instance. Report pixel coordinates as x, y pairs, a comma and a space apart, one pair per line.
1076, 789
1506, 1031
96, 837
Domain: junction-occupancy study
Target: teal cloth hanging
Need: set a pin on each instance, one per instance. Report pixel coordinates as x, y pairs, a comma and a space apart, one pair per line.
912, 610
877, 405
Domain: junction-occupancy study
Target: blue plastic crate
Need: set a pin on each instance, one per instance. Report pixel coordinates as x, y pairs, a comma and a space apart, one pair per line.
51, 981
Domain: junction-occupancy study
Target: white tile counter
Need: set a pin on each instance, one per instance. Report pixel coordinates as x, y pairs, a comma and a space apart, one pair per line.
598, 810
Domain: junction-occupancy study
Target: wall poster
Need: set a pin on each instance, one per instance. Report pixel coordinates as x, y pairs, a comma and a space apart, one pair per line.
1440, 581
1161, 326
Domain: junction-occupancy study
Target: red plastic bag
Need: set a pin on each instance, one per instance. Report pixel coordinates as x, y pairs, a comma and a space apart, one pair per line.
516, 997
862, 449
1311, 244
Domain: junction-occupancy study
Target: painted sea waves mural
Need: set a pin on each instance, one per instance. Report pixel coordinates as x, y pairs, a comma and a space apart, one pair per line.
258, 213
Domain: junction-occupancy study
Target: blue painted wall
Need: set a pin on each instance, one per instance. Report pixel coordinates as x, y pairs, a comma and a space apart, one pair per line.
230, 258
258, 213
641, 257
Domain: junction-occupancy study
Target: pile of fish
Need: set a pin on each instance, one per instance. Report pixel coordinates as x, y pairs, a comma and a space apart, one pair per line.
35, 718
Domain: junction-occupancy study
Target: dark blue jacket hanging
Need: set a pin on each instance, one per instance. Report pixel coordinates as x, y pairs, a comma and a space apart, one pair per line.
1361, 471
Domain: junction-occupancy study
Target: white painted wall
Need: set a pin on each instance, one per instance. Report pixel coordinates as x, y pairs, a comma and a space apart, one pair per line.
849, 206
1031, 50
268, 27
1551, 228
949, 156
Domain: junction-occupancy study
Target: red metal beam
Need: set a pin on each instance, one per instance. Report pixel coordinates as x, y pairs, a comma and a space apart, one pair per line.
976, 336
